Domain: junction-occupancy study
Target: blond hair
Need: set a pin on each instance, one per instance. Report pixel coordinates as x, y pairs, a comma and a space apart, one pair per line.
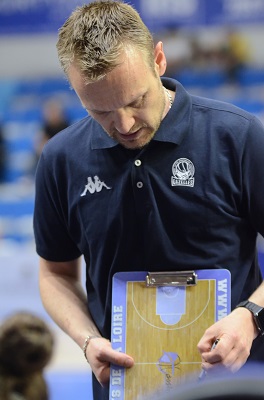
96, 35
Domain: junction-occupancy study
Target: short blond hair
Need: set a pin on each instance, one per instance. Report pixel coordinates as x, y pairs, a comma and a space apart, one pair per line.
96, 35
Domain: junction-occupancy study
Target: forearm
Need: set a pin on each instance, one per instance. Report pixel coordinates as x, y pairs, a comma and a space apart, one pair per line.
256, 297
64, 299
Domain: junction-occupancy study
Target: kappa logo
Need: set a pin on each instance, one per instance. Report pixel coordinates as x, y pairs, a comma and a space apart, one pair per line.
94, 185
183, 173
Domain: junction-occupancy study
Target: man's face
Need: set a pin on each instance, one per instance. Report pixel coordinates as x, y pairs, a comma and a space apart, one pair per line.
129, 103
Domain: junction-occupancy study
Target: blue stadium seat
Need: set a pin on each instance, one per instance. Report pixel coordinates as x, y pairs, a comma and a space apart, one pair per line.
251, 76
69, 385
201, 78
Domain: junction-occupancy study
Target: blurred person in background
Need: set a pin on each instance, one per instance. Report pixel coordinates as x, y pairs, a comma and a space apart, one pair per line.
26, 347
178, 49
54, 121
236, 53
154, 179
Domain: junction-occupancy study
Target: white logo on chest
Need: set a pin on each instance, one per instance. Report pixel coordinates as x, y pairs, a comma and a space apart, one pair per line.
183, 173
94, 185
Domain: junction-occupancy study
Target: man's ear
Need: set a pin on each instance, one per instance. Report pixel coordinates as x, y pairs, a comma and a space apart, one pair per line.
160, 59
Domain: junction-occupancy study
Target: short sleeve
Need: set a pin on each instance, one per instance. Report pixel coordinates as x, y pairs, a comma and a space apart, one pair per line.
52, 238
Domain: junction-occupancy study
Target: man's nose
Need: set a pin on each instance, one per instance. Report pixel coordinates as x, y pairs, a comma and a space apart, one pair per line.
123, 121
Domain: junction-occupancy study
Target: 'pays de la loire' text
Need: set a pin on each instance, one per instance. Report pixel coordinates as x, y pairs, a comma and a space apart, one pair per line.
117, 343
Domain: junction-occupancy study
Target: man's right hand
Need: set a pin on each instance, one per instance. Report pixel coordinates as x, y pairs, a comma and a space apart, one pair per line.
100, 355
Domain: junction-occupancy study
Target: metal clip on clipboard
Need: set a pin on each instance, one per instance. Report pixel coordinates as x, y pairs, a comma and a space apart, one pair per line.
177, 278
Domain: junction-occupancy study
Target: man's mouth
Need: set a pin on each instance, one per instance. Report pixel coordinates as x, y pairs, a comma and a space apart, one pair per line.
131, 136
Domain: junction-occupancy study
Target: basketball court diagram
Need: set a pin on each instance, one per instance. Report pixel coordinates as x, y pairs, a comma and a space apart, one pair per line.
160, 328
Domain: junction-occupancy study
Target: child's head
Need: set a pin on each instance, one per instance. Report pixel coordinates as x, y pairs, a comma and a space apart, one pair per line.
26, 346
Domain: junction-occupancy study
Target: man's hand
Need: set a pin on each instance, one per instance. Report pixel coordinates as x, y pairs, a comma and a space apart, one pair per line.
236, 333
100, 355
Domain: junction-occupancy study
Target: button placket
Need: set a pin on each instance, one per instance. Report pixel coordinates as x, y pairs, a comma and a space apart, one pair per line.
138, 163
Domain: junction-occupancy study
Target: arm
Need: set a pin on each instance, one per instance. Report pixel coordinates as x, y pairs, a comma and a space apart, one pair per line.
64, 299
236, 333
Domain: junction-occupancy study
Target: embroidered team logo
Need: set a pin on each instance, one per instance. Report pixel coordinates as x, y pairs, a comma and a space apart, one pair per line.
94, 185
183, 173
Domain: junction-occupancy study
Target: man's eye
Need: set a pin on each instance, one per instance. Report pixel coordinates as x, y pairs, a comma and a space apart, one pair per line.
101, 112
139, 103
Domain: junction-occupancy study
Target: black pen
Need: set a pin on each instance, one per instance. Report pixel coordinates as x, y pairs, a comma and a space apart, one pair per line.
203, 372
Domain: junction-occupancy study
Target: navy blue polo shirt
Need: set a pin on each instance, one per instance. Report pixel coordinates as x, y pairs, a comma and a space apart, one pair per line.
193, 198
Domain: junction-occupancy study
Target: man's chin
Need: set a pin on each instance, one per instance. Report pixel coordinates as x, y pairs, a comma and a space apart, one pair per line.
135, 144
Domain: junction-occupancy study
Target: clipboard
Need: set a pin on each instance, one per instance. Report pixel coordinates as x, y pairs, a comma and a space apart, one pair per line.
158, 318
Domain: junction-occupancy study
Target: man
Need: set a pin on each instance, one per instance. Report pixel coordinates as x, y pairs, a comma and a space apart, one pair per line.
153, 179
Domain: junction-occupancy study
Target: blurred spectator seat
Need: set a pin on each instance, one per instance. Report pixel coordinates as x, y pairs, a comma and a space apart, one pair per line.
210, 78
69, 385
248, 76
43, 87
19, 139
201, 77
16, 212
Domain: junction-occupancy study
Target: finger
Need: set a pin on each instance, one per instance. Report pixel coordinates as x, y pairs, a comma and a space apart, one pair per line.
220, 349
102, 351
104, 361
208, 341
236, 358
218, 361
205, 344
122, 359
105, 353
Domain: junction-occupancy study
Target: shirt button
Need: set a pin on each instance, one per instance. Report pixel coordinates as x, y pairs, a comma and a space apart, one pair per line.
139, 185
137, 163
